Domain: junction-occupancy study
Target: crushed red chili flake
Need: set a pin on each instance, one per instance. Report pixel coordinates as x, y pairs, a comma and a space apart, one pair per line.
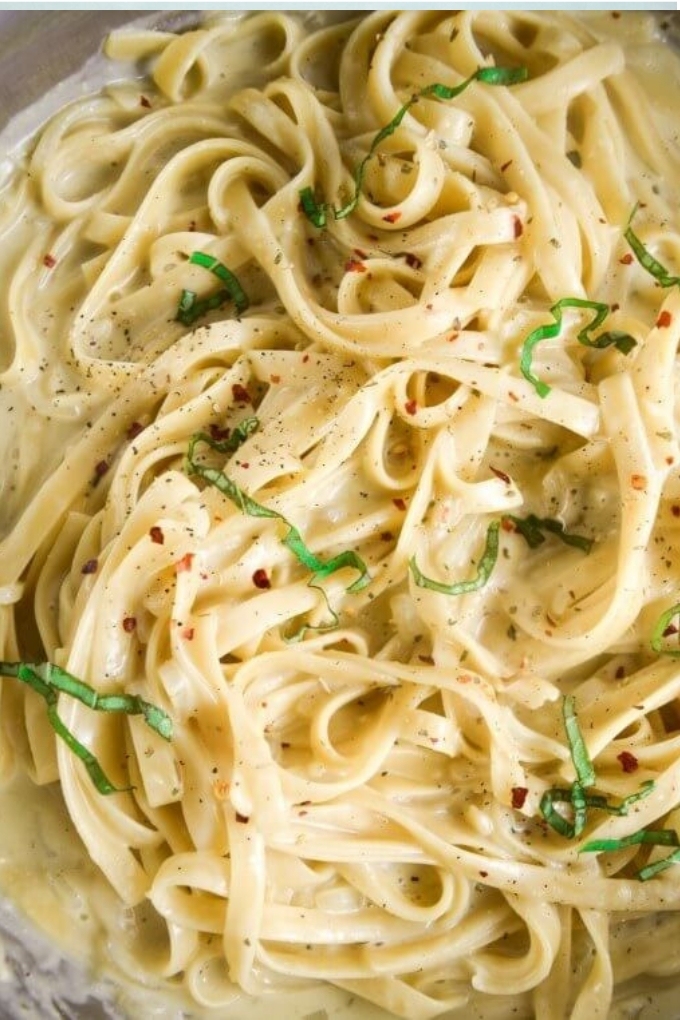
49, 261
243, 819
517, 226
100, 470
627, 259
412, 260
261, 578
638, 482
134, 430
218, 433
143, 101
399, 503
305, 359
129, 624
629, 762
519, 796
90, 567
183, 565
452, 337
411, 406
156, 534
392, 217
240, 394
386, 536
500, 474
620, 673
275, 379
360, 254
507, 525
664, 320
354, 266
670, 630
483, 874
188, 633
675, 510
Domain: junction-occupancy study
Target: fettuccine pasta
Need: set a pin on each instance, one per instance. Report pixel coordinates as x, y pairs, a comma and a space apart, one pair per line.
339, 575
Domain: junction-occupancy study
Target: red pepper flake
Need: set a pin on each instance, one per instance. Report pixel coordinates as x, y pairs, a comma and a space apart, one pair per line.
183, 565
638, 482
240, 394
90, 567
412, 260
49, 261
100, 470
261, 579
129, 624
627, 259
218, 433
243, 819
452, 337
519, 796
517, 226
411, 406
504, 166
275, 379
629, 762
615, 307
670, 630
386, 536
500, 474
360, 254
305, 359
243, 463
664, 320
675, 510
399, 503
134, 430
354, 266
156, 534
620, 673
483, 874
187, 633
392, 217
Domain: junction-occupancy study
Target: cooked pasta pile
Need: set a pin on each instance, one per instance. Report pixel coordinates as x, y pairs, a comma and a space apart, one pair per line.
341, 504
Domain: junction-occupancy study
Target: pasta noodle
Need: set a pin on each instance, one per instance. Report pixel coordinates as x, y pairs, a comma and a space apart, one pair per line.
339, 377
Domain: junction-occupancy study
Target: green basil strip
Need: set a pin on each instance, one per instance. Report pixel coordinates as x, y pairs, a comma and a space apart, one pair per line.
653, 837
645, 258
622, 341
644, 874
633, 798
585, 773
553, 817
531, 529
659, 632
317, 212
484, 569
293, 540
49, 681
190, 308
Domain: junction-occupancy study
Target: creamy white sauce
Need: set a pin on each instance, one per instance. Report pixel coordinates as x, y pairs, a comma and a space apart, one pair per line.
49, 879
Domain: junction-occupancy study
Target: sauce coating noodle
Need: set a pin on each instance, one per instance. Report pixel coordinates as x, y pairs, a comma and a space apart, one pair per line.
410, 600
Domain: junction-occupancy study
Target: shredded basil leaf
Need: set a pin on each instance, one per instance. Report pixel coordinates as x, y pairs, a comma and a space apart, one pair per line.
651, 870
622, 341
484, 569
645, 258
585, 773
190, 308
531, 529
49, 681
293, 540
659, 632
653, 837
317, 212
